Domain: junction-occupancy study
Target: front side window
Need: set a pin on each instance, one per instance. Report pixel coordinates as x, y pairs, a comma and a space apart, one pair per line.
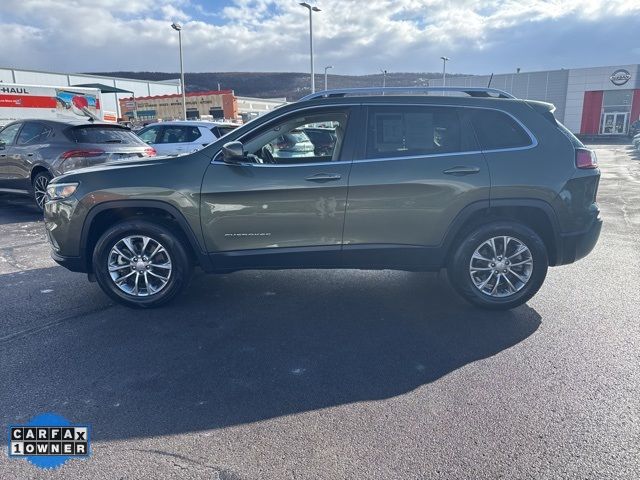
409, 131
497, 130
149, 134
290, 143
8, 135
33, 133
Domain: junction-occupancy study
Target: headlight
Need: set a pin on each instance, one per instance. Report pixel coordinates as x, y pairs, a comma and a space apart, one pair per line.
59, 191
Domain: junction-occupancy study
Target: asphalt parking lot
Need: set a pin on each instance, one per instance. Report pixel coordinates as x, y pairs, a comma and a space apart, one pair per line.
339, 374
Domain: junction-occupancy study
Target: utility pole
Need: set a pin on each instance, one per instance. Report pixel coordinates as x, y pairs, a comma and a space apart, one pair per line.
177, 27
444, 72
311, 10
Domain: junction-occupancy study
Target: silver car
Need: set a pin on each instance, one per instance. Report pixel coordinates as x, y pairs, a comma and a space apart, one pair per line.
32, 152
179, 137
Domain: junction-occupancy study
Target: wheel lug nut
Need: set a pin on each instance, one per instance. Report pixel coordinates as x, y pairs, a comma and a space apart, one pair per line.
493, 264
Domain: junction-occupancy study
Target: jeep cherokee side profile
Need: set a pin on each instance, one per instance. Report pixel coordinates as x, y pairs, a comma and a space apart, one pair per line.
488, 186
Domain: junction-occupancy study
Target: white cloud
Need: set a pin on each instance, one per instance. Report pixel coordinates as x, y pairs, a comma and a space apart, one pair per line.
354, 36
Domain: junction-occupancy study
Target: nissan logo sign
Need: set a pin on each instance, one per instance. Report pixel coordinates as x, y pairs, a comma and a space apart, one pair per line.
620, 77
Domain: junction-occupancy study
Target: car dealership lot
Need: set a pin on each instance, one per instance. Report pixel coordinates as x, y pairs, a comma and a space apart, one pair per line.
330, 374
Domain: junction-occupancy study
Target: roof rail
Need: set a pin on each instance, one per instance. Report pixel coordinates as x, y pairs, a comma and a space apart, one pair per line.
471, 91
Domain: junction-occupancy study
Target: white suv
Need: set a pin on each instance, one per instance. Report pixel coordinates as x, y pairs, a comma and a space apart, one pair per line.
180, 137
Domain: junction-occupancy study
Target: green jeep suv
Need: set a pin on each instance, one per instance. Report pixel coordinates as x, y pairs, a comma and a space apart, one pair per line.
488, 186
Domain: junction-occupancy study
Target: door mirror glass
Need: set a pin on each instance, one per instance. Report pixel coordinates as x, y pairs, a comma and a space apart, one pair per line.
233, 152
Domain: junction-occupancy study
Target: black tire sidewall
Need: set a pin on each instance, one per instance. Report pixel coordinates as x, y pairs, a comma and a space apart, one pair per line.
458, 269
180, 262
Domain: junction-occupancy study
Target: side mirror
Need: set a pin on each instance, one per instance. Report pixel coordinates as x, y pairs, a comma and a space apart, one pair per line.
233, 152
2, 145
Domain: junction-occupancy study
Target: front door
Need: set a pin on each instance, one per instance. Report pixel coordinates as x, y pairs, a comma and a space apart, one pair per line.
285, 205
614, 123
420, 167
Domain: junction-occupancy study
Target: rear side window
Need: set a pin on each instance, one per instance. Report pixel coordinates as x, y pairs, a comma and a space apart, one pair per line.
180, 134
33, 133
497, 130
406, 131
102, 134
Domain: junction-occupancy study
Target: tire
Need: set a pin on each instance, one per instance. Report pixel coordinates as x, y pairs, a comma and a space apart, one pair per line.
509, 291
39, 185
158, 284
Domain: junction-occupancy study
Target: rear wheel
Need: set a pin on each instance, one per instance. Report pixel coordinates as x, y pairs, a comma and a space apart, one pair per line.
40, 183
499, 266
141, 264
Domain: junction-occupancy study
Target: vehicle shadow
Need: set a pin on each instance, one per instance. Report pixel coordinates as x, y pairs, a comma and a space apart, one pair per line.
15, 208
251, 346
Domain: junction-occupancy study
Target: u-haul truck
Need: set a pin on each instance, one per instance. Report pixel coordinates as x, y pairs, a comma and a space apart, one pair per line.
18, 102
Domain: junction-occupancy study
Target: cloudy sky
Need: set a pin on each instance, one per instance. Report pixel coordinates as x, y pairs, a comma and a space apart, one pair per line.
355, 36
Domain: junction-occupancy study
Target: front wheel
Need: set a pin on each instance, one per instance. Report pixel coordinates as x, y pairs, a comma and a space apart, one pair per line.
141, 264
499, 266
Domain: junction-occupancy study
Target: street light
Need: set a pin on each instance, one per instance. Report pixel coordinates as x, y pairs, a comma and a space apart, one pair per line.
384, 78
325, 75
444, 72
178, 28
311, 10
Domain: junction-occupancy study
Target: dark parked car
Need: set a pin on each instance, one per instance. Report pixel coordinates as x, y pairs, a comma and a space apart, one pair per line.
32, 152
490, 187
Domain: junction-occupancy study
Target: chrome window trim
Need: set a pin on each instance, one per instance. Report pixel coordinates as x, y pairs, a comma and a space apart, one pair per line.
532, 137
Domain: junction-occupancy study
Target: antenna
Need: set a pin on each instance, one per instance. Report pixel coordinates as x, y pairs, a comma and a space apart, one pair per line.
490, 78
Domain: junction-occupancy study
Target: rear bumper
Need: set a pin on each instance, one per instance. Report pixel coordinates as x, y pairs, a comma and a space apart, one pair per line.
577, 245
75, 264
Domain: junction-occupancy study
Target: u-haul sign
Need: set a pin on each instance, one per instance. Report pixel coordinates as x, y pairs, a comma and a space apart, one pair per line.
18, 102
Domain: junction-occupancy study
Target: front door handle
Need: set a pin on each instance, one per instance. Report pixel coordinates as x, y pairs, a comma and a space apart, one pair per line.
460, 170
324, 177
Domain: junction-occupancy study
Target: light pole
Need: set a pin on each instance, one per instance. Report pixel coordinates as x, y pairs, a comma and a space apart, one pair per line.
311, 10
384, 78
444, 72
178, 28
325, 75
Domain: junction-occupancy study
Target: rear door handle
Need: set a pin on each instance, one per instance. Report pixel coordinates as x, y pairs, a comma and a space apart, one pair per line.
324, 177
460, 170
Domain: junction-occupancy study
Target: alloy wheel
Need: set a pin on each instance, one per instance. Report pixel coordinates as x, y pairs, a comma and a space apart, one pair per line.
501, 266
40, 189
139, 265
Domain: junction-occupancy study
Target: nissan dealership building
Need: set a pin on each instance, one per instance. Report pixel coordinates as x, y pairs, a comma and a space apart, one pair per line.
589, 101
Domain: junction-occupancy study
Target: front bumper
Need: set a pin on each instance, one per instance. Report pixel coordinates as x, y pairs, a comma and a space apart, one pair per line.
577, 245
75, 264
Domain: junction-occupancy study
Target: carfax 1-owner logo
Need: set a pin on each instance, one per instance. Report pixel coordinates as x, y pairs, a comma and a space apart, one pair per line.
49, 441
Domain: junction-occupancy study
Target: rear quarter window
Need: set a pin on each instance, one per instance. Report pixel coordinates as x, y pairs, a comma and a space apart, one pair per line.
496, 130
100, 134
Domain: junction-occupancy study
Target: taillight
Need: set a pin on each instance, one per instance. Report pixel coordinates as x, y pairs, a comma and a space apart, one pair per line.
150, 152
586, 158
83, 153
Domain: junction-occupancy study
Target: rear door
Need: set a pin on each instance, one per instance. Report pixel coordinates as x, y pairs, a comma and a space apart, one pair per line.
26, 152
8, 136
419, 167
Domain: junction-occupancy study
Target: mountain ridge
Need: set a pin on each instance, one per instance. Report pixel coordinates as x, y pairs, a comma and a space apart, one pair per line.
291, 85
